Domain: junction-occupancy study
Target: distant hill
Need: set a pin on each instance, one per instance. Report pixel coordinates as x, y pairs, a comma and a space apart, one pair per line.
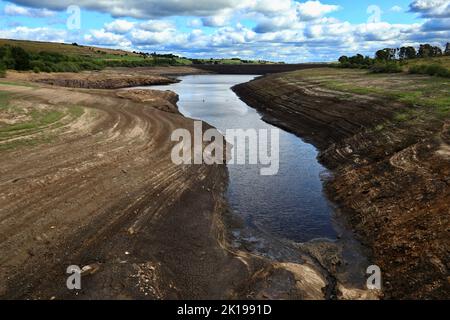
64, 48
115, 55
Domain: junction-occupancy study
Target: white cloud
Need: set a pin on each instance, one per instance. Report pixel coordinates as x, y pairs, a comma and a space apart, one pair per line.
271, 7
292, 15
215, 21
14, 10
156, 25
165, 38
36, 34
119, 26
105, 38
396, 9
314, 9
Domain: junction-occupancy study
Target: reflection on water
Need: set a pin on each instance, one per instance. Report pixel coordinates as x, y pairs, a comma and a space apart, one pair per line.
290, 204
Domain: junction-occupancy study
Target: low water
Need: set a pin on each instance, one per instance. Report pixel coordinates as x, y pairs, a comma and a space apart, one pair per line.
289, 205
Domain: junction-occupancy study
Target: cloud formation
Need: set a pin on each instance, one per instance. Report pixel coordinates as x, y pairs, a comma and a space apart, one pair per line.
14, 10
285, 30
431, 8
143, 9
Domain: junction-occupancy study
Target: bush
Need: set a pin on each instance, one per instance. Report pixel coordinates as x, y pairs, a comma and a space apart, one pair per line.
430, 69
36, 70
66, 67
2, 70
42, 66
21, 58
387, 67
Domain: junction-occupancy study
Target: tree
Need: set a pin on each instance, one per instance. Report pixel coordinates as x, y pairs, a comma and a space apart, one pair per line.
21, 58
407, 53
447, 49
343, 59
386, 54
428, 51
3, 51
436, 51
358, 59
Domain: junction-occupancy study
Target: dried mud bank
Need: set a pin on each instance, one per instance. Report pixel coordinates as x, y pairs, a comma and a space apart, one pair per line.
102, 82
114, 78
96, 188
391, 179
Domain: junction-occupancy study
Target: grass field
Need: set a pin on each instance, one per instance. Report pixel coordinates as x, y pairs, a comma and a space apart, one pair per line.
415, 90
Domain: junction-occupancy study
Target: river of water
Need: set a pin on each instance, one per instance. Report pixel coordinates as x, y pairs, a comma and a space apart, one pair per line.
289, 205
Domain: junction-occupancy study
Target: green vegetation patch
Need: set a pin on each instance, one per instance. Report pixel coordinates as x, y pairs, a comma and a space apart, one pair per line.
31, 129
54, 57
18, 84
38, 120
412, 90
431, 70
4, 99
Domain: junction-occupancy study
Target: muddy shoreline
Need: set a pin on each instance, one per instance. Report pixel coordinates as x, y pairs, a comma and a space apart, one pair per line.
378, 193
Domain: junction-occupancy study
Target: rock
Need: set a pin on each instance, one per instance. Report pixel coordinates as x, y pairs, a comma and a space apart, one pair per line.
90, 269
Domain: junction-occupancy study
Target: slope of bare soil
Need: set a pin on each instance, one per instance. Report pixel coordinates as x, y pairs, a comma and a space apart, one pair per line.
391, 177
106, 194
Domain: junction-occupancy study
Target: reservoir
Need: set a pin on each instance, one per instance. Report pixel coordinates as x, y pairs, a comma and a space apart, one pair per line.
289, 205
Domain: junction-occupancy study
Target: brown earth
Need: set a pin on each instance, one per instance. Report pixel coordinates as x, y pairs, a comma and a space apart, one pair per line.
391, 179
106, 194
112, 78
102, 193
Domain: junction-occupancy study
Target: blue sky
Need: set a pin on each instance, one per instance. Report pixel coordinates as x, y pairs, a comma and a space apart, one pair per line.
282, 30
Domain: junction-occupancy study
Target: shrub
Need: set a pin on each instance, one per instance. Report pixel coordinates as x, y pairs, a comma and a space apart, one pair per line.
36, 70
42, 66
21, 58
387, 67
66, 67
2, 69
430, 69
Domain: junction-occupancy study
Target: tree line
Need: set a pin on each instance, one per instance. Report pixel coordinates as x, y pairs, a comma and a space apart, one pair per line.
391, 60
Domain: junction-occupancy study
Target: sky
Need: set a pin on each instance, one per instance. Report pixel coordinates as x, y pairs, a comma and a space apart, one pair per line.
275, 30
